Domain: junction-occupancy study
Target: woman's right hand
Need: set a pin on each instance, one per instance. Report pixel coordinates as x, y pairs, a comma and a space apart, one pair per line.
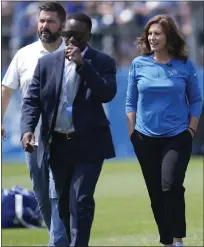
131, 118
130, 132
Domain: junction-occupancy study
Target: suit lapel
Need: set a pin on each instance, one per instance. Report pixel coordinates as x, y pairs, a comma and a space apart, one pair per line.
89, 56
59, 70
58, 74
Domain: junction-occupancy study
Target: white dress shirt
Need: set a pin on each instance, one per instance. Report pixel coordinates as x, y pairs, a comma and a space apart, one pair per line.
21, 69
70, 85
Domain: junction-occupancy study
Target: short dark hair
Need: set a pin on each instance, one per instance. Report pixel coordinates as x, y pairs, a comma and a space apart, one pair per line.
81, 17
54, 7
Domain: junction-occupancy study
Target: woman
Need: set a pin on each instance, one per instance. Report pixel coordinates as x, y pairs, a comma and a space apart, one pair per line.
163, 106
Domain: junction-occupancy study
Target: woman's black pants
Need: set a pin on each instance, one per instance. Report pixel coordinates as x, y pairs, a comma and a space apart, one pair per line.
164, 163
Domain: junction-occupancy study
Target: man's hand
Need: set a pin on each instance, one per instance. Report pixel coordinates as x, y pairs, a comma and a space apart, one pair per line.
73, 53
3, 133
28, 142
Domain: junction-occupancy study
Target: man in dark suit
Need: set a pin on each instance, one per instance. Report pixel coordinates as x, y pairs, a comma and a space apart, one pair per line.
68, 89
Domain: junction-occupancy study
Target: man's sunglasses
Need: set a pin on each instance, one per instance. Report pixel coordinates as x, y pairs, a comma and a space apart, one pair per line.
79, 36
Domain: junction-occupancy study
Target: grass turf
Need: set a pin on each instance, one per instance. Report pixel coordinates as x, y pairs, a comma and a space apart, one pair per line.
123, 215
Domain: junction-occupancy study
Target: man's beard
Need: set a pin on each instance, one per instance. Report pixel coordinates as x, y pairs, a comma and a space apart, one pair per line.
49, 37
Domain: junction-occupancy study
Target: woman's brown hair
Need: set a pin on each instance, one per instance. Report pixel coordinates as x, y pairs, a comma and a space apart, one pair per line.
175, 41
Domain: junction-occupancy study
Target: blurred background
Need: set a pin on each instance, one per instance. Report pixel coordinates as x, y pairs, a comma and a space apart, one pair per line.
123, 216
115, 28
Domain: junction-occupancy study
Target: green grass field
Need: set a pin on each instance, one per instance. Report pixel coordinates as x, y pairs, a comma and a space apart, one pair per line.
123, 215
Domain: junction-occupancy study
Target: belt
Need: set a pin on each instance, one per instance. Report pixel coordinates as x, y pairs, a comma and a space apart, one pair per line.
68, 136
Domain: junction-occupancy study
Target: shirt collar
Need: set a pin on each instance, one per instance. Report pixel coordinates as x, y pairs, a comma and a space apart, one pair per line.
43, 50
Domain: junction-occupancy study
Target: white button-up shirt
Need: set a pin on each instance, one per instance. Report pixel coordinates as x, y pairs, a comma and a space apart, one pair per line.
70, 85
20, 71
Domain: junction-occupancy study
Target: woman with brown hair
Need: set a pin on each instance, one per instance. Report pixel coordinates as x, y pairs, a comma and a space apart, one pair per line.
163, 106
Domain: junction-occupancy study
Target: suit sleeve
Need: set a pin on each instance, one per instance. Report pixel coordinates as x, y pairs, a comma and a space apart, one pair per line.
31, 108
103, 85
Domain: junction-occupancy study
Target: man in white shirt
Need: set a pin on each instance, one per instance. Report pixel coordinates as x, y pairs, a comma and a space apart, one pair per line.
51, 21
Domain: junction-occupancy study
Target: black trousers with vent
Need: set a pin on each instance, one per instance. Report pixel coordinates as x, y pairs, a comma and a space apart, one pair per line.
164, 163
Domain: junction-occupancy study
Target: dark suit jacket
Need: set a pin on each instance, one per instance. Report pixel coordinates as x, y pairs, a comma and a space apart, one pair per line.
97, 86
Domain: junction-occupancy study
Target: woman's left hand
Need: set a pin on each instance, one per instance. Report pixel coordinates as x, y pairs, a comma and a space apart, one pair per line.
191, 132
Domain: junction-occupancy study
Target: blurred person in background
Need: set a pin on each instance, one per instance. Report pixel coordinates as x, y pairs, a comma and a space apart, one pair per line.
28, 32
104, 27
72, 7
68, 89
92, 10
163, 106
51, 21
17, 26
6, 17
126, 33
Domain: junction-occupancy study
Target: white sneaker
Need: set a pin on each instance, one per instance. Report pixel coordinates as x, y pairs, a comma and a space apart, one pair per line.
178, 244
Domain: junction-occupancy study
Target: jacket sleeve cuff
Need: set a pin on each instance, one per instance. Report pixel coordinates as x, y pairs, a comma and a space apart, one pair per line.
26, 131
